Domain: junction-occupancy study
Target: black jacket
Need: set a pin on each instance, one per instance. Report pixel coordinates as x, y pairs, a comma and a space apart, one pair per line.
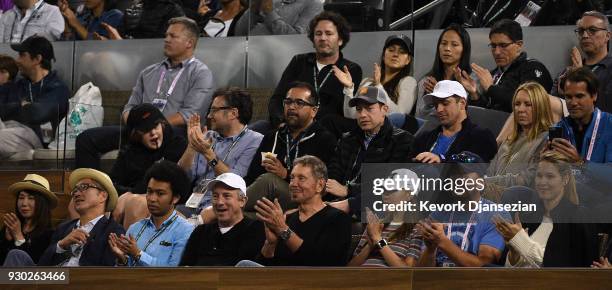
149, 18
471, 138
35, 245
96, 251
315, 140
571, 243
135, 159
389, 145
522, 70
47, 101
208, 247
202, 21
302, 68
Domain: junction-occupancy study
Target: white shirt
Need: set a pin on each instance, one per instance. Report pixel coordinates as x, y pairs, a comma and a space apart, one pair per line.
74, 260
212, 28
41, 19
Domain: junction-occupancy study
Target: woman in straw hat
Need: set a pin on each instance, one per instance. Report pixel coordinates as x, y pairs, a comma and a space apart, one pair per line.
29, 228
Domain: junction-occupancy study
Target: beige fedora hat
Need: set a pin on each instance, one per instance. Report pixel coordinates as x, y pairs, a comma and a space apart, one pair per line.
99, 177
35, 183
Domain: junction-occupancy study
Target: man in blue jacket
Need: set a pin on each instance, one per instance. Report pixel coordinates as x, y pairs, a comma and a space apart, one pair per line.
587, 131
40, 97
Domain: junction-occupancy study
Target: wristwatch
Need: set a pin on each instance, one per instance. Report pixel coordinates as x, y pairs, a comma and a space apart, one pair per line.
212, 163
381, 244
285, 235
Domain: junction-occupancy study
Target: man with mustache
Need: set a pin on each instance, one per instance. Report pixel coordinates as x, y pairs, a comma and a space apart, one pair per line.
456, 133
587, 131
28, 18
302, 135
593, 36
180, 86
329, 34
159, 240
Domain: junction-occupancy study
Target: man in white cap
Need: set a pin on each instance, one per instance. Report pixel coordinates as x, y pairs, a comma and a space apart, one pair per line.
83, 241
456, 133
233, 237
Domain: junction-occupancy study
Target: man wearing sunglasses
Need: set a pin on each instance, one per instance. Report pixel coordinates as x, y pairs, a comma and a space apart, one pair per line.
83, 241
513, 68
301, 135
593, 36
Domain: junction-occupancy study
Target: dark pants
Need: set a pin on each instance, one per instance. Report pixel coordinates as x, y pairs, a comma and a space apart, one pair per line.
94, 142
17, 258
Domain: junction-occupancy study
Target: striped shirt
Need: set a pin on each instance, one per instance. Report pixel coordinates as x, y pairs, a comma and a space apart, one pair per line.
410, 246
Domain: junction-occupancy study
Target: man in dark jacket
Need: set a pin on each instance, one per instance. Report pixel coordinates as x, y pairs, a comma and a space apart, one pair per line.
83, 241
40, 97
456, 133
269, 171
376, 141
149, 19
329, 33
513, 69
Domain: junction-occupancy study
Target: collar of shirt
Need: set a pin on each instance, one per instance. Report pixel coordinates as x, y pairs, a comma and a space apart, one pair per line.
150, 223
90, 225
219, 138
28, 12
182, 64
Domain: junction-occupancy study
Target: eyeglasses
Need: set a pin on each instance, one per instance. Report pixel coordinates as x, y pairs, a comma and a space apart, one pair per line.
214, 110
500, 45
298, 103
83, 187
590, 31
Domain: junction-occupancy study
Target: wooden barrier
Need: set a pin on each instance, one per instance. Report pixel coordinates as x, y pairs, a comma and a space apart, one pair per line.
58, 181
330, 278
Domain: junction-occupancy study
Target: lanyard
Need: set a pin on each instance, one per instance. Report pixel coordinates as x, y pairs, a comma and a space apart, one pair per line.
464, 239
315, 73
39, 90
174, 81
156, 235
288, 159
26, 24
593, 136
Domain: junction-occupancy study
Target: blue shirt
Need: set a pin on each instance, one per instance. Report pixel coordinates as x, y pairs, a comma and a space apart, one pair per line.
167, 247
482, 231
602, 147
111, 17
443, 144
237, 157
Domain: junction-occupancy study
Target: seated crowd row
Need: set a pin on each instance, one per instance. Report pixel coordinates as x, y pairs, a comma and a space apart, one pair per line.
322, 129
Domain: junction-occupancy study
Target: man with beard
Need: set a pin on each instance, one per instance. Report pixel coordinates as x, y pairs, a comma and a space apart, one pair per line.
593, 33
456, 133
329, 34
228, 147
301, 135
461, 238
179, 87
28, 18
159, 240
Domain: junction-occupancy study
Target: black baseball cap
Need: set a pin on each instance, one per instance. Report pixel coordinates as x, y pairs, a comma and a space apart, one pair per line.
402, 40
144, 117
35, 45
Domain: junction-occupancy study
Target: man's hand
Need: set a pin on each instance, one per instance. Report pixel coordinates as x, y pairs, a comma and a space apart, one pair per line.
343, 76
433, 233
376, 75
196, 136
113, 33
484, 76
466, 81
274, 166
576, 58
128, 245
203, 7
66, 11
334, 187
428, 157
77, 236
271, 214
566, 148
113, 242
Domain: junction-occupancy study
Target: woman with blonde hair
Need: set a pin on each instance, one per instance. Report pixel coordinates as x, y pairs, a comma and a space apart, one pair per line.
557, 238
518, 155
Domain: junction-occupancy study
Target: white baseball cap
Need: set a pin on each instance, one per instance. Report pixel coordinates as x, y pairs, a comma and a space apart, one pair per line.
229, 179
445, 89
405, 174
